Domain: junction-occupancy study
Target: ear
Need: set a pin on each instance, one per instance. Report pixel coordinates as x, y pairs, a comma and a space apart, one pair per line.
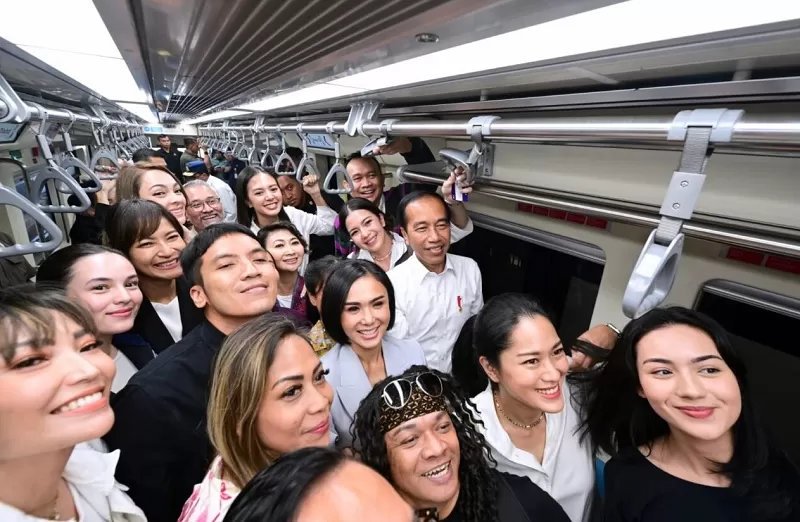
405, 235
313, 299
198, 296
383, 221
490, 370
640, 392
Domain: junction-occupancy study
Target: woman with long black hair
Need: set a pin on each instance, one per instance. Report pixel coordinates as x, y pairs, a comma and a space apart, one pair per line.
672, 407
419, 431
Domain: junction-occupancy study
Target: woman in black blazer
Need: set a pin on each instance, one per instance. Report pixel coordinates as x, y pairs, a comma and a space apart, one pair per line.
153, 239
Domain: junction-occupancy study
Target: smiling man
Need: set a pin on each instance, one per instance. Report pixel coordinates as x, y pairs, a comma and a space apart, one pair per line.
161, 414
203, 205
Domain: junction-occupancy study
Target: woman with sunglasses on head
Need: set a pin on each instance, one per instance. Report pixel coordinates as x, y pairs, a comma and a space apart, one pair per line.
55, 383
365, 224
269, 396
105, 283
516, 357
419, 431
259, 203
153, 239
357, 310
672, 406
316, 276
288, 248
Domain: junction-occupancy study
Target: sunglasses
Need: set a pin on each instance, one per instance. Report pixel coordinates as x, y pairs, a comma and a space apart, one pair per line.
397, 393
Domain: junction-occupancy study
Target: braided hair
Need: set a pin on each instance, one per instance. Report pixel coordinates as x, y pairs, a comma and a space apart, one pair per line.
477, 498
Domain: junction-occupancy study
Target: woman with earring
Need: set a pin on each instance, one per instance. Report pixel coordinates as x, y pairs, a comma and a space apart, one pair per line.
366, 225
288, 249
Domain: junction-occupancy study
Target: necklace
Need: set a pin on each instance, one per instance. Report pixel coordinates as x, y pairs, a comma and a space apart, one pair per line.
512, 421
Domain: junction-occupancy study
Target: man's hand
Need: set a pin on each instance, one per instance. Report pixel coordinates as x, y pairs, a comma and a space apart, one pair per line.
397, 146
457, 176
601, 336
311, 185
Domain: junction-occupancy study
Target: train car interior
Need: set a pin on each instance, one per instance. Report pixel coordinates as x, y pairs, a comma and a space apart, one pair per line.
616, 166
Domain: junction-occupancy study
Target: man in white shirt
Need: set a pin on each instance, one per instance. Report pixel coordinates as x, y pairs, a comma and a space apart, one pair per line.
199, 170
203, 205
435, 292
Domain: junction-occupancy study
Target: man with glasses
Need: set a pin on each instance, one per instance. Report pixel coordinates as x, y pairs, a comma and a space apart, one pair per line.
198, 170
203, 207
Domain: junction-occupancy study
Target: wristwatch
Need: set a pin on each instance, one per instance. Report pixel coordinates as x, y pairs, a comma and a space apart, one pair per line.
614, 329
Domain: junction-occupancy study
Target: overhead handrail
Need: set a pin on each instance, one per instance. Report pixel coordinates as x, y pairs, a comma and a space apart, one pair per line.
307, 162
102, 152
252, 157
284, 157
52, 171
368, 150
657, 266
337, 168
70, 160
477, 162
12, 198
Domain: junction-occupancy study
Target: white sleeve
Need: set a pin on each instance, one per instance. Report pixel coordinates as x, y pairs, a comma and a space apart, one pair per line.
228, 203
478, 303
320, 224
401, 329
457, 234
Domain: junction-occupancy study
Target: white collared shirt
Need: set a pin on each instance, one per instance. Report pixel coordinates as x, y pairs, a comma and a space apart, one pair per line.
567, 473
226, 198
432, 308
399, 249
98, 497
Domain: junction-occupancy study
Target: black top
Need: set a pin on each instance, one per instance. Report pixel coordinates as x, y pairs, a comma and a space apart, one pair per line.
639, 491
86, 229
173, 159
151, 328
519, 500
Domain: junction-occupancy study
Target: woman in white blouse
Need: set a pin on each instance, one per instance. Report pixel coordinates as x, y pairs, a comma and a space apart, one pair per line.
55, 383
529, 419
366, 225
260, 203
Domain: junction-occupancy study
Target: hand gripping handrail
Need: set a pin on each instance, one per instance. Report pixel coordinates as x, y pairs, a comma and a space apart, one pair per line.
69, 160
657, 266
477, 162
284, 157
337, 168
307, 163
368, 150
11, 198
52, 171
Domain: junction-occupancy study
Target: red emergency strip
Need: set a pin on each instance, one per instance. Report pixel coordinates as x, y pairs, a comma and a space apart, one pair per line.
751, 257
563, 215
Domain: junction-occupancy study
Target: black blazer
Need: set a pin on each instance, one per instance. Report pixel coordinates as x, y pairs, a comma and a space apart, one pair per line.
150, 327
135, 348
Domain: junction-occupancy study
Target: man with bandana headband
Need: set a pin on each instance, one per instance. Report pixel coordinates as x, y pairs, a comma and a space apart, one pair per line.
418, 431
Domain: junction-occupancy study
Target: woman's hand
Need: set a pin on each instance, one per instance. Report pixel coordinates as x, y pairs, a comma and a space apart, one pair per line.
457, 176
311, 185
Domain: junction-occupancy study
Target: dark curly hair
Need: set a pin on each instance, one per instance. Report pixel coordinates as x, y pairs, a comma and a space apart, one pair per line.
478, 489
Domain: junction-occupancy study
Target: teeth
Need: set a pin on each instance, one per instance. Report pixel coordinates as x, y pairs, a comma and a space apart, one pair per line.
369, 332
549, 391
167, 264
79, 403
438, 472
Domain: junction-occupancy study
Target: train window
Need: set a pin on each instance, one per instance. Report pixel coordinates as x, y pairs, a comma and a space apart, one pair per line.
763, 326
563, 274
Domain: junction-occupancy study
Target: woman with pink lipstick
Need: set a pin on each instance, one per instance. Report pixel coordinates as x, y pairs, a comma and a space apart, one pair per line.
55, 383
357, 310
259, 203
157, 184
269, 396
287, 248
366, 225
105, 283
673, 408
153, 240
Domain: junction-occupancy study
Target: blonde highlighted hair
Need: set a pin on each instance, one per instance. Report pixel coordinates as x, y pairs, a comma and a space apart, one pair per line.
238, 387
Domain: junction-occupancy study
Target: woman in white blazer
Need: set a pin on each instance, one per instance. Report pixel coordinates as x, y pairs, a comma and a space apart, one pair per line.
357, 310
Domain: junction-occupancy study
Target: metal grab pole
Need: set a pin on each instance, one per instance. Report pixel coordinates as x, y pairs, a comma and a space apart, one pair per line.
691, 229
60, 116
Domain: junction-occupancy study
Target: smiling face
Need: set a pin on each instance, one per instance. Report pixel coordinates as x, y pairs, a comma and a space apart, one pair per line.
264, 197
286, 249
161, 188
157, 256
366, 313
239, 280
204, 207
427, 231
532, 368
296, 406
54, 396
107, 285
367, 179
424, 460
367, 230
687, 383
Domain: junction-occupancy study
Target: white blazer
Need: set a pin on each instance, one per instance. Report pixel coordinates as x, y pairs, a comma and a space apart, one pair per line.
350, 382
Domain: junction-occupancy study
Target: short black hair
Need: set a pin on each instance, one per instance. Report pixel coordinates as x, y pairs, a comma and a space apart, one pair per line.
265, 232
162, 136
415, 196
317, 272
338, 286
143, 154
189, 141
369, 159
295, 153
192, 255
277, 492
57, 269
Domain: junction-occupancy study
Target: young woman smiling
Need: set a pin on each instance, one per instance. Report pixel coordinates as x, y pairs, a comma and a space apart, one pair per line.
269, 396
260, 203
105, 283
287, 248
55, 383
357, 310
157, 184
374, 239
672, 406
153, 239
